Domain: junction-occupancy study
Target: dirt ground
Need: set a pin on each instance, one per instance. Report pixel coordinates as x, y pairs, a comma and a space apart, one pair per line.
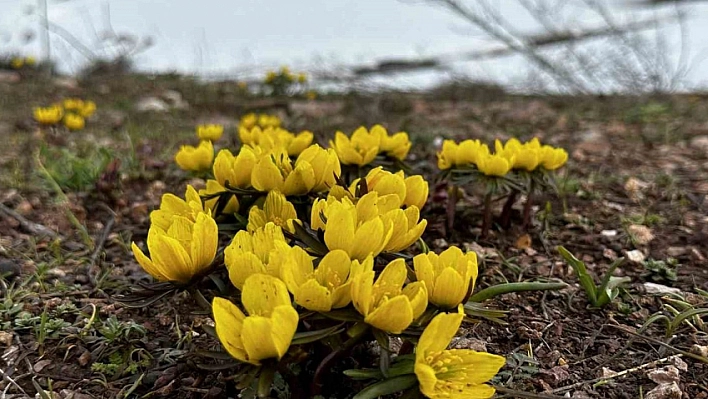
635, 186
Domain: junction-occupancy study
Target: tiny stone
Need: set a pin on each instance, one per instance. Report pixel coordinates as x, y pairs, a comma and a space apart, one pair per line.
609, 233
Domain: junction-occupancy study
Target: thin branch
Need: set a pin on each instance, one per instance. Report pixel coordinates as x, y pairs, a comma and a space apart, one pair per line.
30, 227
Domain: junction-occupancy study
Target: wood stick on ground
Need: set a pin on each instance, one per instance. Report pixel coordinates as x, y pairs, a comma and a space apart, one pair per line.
617, 375
102, 239
30, 227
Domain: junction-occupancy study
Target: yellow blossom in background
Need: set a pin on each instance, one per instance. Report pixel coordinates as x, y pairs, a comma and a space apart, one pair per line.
356, 229
248, 121
359, 149
73, 104
270, 76
301, 77
552, 158
494, 165
448, 277
196, 159
49, 115
396, 145
213, 187
210, 132
407, 228
452, 373
276, 209
322, 289
385, 303
30, 61
256, 252
416, 191
311, 95
273, 138
17, 63
74, 122
186, 249
171, 205
269, 327
236, 170
88, 109
275, 171
325, 165
468, 152
265, 120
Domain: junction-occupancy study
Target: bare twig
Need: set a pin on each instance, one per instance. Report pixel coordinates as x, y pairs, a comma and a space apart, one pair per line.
102, 239
30, 227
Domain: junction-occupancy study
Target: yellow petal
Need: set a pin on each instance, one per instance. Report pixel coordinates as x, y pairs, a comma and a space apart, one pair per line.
266, 176
242, 265
480, 367
300, 181
368, 239
170, 257
265, 338
262, 293
418, 296
438, 334
362, 289
312, 296
342, 235
425, 271
450, 289
393, 315
228, 321
147, 264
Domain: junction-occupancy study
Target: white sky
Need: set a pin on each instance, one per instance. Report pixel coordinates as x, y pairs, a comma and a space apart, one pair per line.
221, 36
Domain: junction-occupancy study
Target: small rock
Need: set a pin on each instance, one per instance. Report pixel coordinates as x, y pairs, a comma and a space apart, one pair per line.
658, 289
679, 363
151, 104
66, 82
700, 350
609, 233
175, 100
700, 143
642, 234
635, 256
440, 243
665, 375
6, 338
675, 252
609, 254
665, 391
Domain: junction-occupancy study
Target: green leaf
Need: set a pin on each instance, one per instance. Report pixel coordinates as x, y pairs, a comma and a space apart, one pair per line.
387, 387
311, 336
586, 280
500, 289
685, 315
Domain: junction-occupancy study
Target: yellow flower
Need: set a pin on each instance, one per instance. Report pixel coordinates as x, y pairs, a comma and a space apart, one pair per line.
494, 165
396, 146
465, 153
416, 191
406, 228
29, 61
265, 120
553, 158
311, 95
73, 104
236, 170
321, 289
186, 249
449, 277
275, 171
271, 76
257, 252
195, 158
213, 187
325, 164
360, 149
49, 115
88, 108
269, 327
210, 132
171, 205
74, 122
301, 77
276, 209
17, 63
452, 373
391, 187
385, 304
523, 156
274, 138
248, 121
242, 85
358, 230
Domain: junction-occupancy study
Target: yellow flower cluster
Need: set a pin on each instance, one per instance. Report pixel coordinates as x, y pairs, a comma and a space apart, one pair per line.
71, 112
21, 62
249, 121
512, 155
364, 145
284, 75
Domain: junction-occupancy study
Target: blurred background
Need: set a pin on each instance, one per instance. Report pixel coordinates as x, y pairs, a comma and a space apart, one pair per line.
572, 46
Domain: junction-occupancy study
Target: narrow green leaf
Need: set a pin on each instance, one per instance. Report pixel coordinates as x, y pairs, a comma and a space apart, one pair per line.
311, 336
387, 387
500, 289
586, 280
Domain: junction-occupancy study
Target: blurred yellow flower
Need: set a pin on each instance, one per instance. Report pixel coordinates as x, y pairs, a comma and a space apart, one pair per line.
270, 76
248, 121
49, 115
30, 61
448, 277
452, 373
396, 146
273, 138
213, 187
74, 122
311, 95
256, 252
185, 250
73, 104
88, 108
494, 164
322, 289
301, 77
265, 120
552, 158
385, 303
17, 63
171, 205
195, 158
360, 149
210, 132
236, 170
276, 209
269, 327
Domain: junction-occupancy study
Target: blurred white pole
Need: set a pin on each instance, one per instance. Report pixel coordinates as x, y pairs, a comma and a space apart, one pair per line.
46, 45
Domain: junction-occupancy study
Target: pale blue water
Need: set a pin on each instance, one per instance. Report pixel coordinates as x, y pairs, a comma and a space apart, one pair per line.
239, 38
